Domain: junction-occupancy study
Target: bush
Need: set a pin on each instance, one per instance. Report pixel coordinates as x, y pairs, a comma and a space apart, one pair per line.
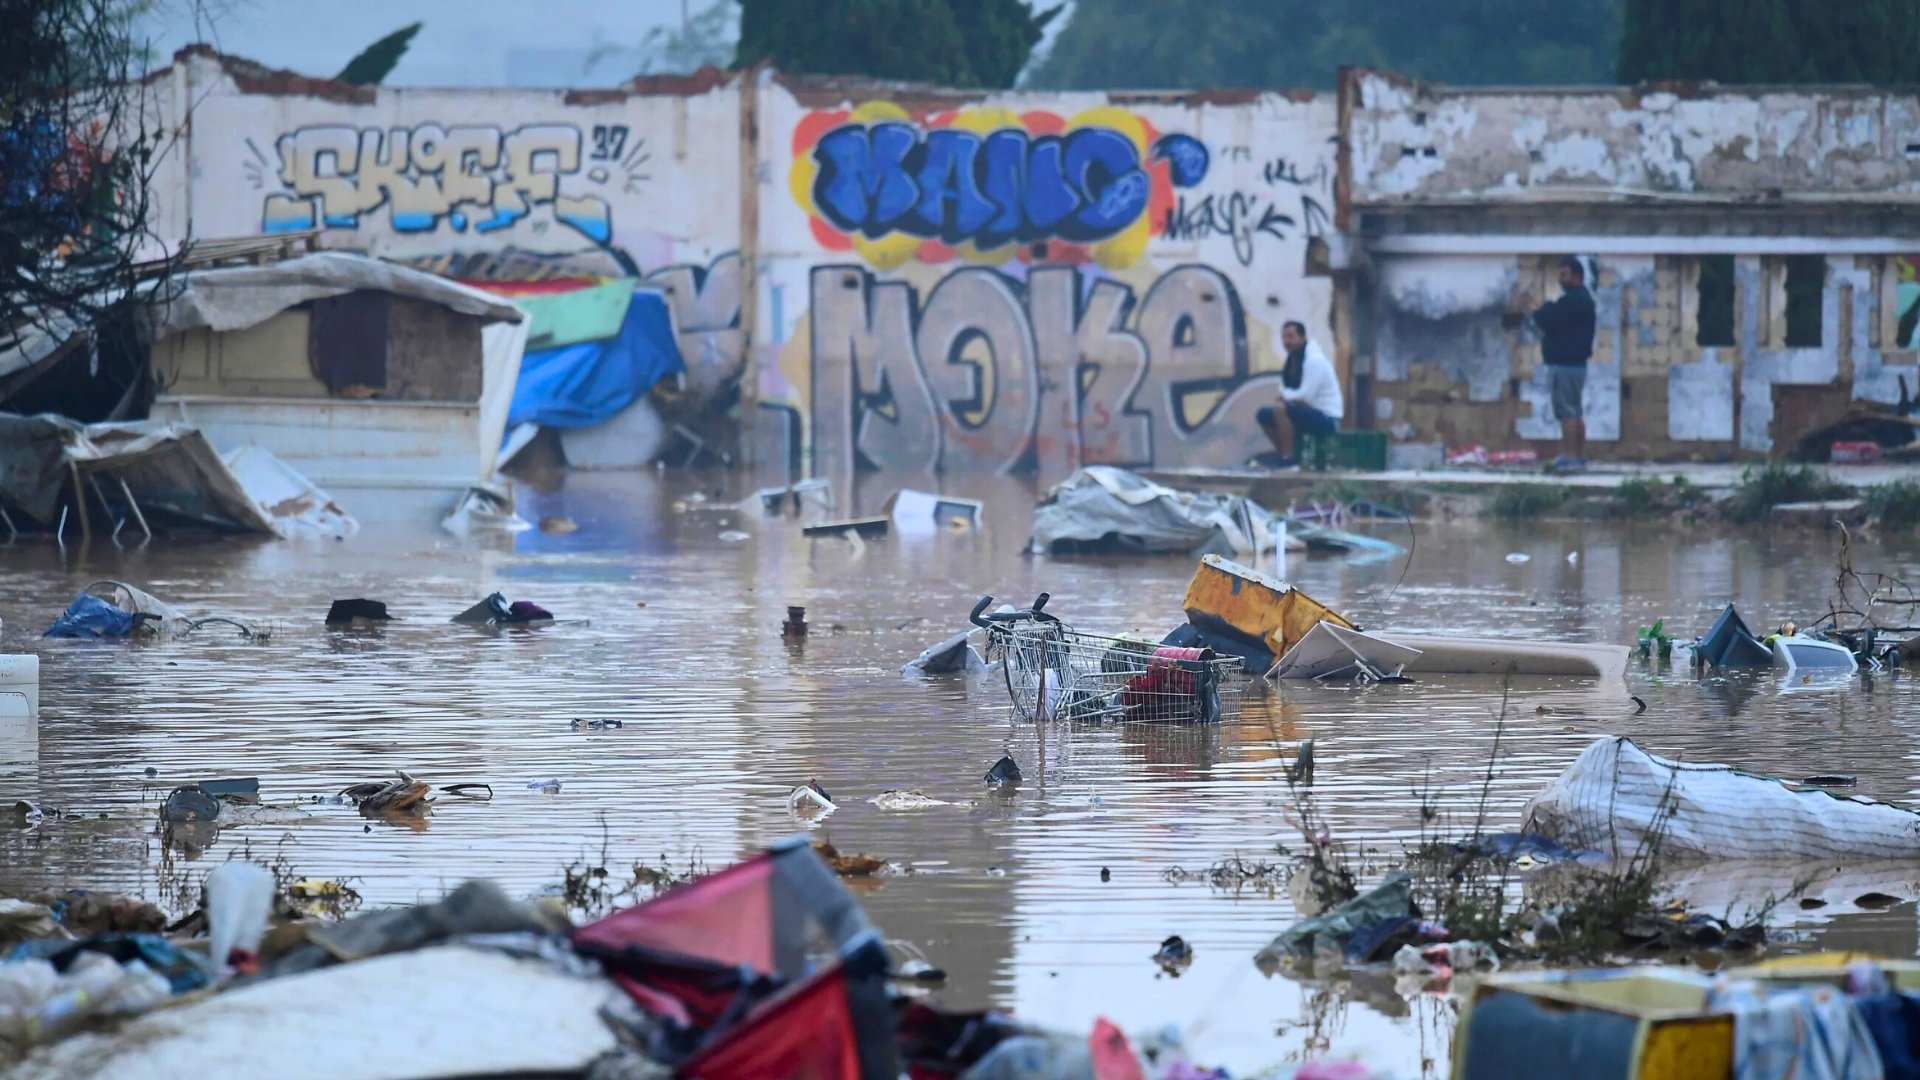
1759, 491
1638, 495
1517, 502
1895, 505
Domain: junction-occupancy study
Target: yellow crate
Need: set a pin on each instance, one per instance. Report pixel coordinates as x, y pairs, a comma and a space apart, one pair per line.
1226, 596
1830, 968
1639, 1024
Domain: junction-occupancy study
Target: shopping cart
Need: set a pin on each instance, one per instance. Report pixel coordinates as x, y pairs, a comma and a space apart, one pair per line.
1054, 672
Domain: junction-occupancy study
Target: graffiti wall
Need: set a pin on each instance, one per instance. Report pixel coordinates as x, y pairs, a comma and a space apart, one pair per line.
1027, 284
482, 183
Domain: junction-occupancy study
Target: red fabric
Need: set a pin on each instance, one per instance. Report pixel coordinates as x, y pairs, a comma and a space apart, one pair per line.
1113, 1058
654, 1001
726, 917
806, 1034
546, 286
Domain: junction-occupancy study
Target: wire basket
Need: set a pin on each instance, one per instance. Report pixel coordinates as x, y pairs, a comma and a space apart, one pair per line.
1053, 672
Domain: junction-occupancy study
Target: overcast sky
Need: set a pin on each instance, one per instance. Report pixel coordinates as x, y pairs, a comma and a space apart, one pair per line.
462, 42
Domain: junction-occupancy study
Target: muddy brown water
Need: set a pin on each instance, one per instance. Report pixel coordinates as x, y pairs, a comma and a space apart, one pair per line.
722, 719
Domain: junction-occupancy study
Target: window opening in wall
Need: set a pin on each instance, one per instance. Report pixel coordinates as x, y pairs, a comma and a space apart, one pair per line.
1806, 281
1715, 315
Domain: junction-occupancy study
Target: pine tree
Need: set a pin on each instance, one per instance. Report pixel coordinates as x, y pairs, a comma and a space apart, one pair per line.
378, 59
1771, 41
965, 43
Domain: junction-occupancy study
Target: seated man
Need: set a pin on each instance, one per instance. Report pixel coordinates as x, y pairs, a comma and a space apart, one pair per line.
1310, 394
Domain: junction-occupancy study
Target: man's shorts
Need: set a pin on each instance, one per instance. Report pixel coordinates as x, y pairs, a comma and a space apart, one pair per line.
1566, 383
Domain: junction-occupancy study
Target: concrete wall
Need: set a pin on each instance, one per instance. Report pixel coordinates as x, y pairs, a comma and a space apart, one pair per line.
1033, 282
937, 281
1457, 202
639, 181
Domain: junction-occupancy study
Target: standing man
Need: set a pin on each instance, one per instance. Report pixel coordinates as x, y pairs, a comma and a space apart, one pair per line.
1309, 392
1566, 343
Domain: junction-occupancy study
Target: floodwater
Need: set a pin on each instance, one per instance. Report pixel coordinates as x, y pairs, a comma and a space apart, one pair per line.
722, 719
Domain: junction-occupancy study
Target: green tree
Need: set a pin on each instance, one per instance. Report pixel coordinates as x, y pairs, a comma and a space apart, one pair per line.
966, 43
377, 60
1771, 41
1296, 43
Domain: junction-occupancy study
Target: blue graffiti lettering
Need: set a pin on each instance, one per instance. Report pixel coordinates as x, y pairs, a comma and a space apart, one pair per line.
1009, 186
1186, 158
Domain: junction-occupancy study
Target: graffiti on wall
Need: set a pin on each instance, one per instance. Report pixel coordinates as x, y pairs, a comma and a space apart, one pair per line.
705, 301
473, 178
989, 184
1061, 369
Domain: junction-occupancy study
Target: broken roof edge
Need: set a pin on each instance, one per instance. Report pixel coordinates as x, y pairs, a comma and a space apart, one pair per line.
236, 297
253, 77
1681, 88
815, 90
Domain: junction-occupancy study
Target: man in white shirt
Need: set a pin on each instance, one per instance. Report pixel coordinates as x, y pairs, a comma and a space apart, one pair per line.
1309, 393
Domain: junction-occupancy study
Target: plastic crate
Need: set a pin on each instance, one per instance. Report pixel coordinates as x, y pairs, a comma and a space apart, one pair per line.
1361, 451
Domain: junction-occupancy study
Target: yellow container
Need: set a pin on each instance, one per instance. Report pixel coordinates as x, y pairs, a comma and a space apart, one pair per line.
1830, 968
1226, 597
1638, 1024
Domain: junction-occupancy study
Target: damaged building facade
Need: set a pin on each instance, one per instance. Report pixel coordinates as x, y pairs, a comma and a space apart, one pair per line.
873, 278
1755, 252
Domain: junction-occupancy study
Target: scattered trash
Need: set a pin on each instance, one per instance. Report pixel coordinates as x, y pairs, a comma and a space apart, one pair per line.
468, 791
773, 499
1828, 780
1175, 956
1300, 769
19, 686
796, 624
951, 656
919, 970
1106, 874
1331, 652
919, 513
495, 611
1518, 557
848, 865
865, 528
1390, 904
351, 612
595, 725
1654, 640
545, 787
1242, 612
907, 800
1101, 509
810, 798
190, 804
484, 508
1055, 673
239, 900
1795, 653
402, 796
1616, 796
1729, 644
558, 526
733, 536
1004, 771
1449, 655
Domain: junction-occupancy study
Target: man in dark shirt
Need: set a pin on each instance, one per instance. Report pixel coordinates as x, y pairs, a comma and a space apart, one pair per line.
1566, 343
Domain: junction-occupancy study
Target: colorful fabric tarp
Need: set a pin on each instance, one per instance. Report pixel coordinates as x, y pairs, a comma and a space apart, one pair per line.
584, 384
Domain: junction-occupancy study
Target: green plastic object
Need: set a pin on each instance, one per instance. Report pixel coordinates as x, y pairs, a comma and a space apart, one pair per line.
569, 318
1357, 451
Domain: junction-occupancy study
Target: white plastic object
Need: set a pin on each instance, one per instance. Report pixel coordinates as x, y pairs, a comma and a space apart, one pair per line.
239, 899
19, 681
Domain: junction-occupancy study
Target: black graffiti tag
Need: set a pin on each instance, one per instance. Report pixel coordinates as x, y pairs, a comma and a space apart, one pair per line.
1239, 216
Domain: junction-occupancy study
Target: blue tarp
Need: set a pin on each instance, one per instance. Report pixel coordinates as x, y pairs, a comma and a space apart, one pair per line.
578, 386
91, 617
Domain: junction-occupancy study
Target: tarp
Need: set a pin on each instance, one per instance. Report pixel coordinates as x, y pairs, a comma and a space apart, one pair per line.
171, 470
1615, 795
582, 385
501, 347
236, 297
558, 319
438, 1012
1101, 502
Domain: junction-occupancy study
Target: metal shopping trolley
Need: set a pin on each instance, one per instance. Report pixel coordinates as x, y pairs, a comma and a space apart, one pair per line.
1054, 672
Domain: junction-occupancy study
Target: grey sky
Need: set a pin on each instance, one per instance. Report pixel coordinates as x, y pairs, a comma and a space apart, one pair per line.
463, 42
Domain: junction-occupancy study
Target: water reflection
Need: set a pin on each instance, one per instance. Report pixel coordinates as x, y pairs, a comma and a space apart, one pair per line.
722, 719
